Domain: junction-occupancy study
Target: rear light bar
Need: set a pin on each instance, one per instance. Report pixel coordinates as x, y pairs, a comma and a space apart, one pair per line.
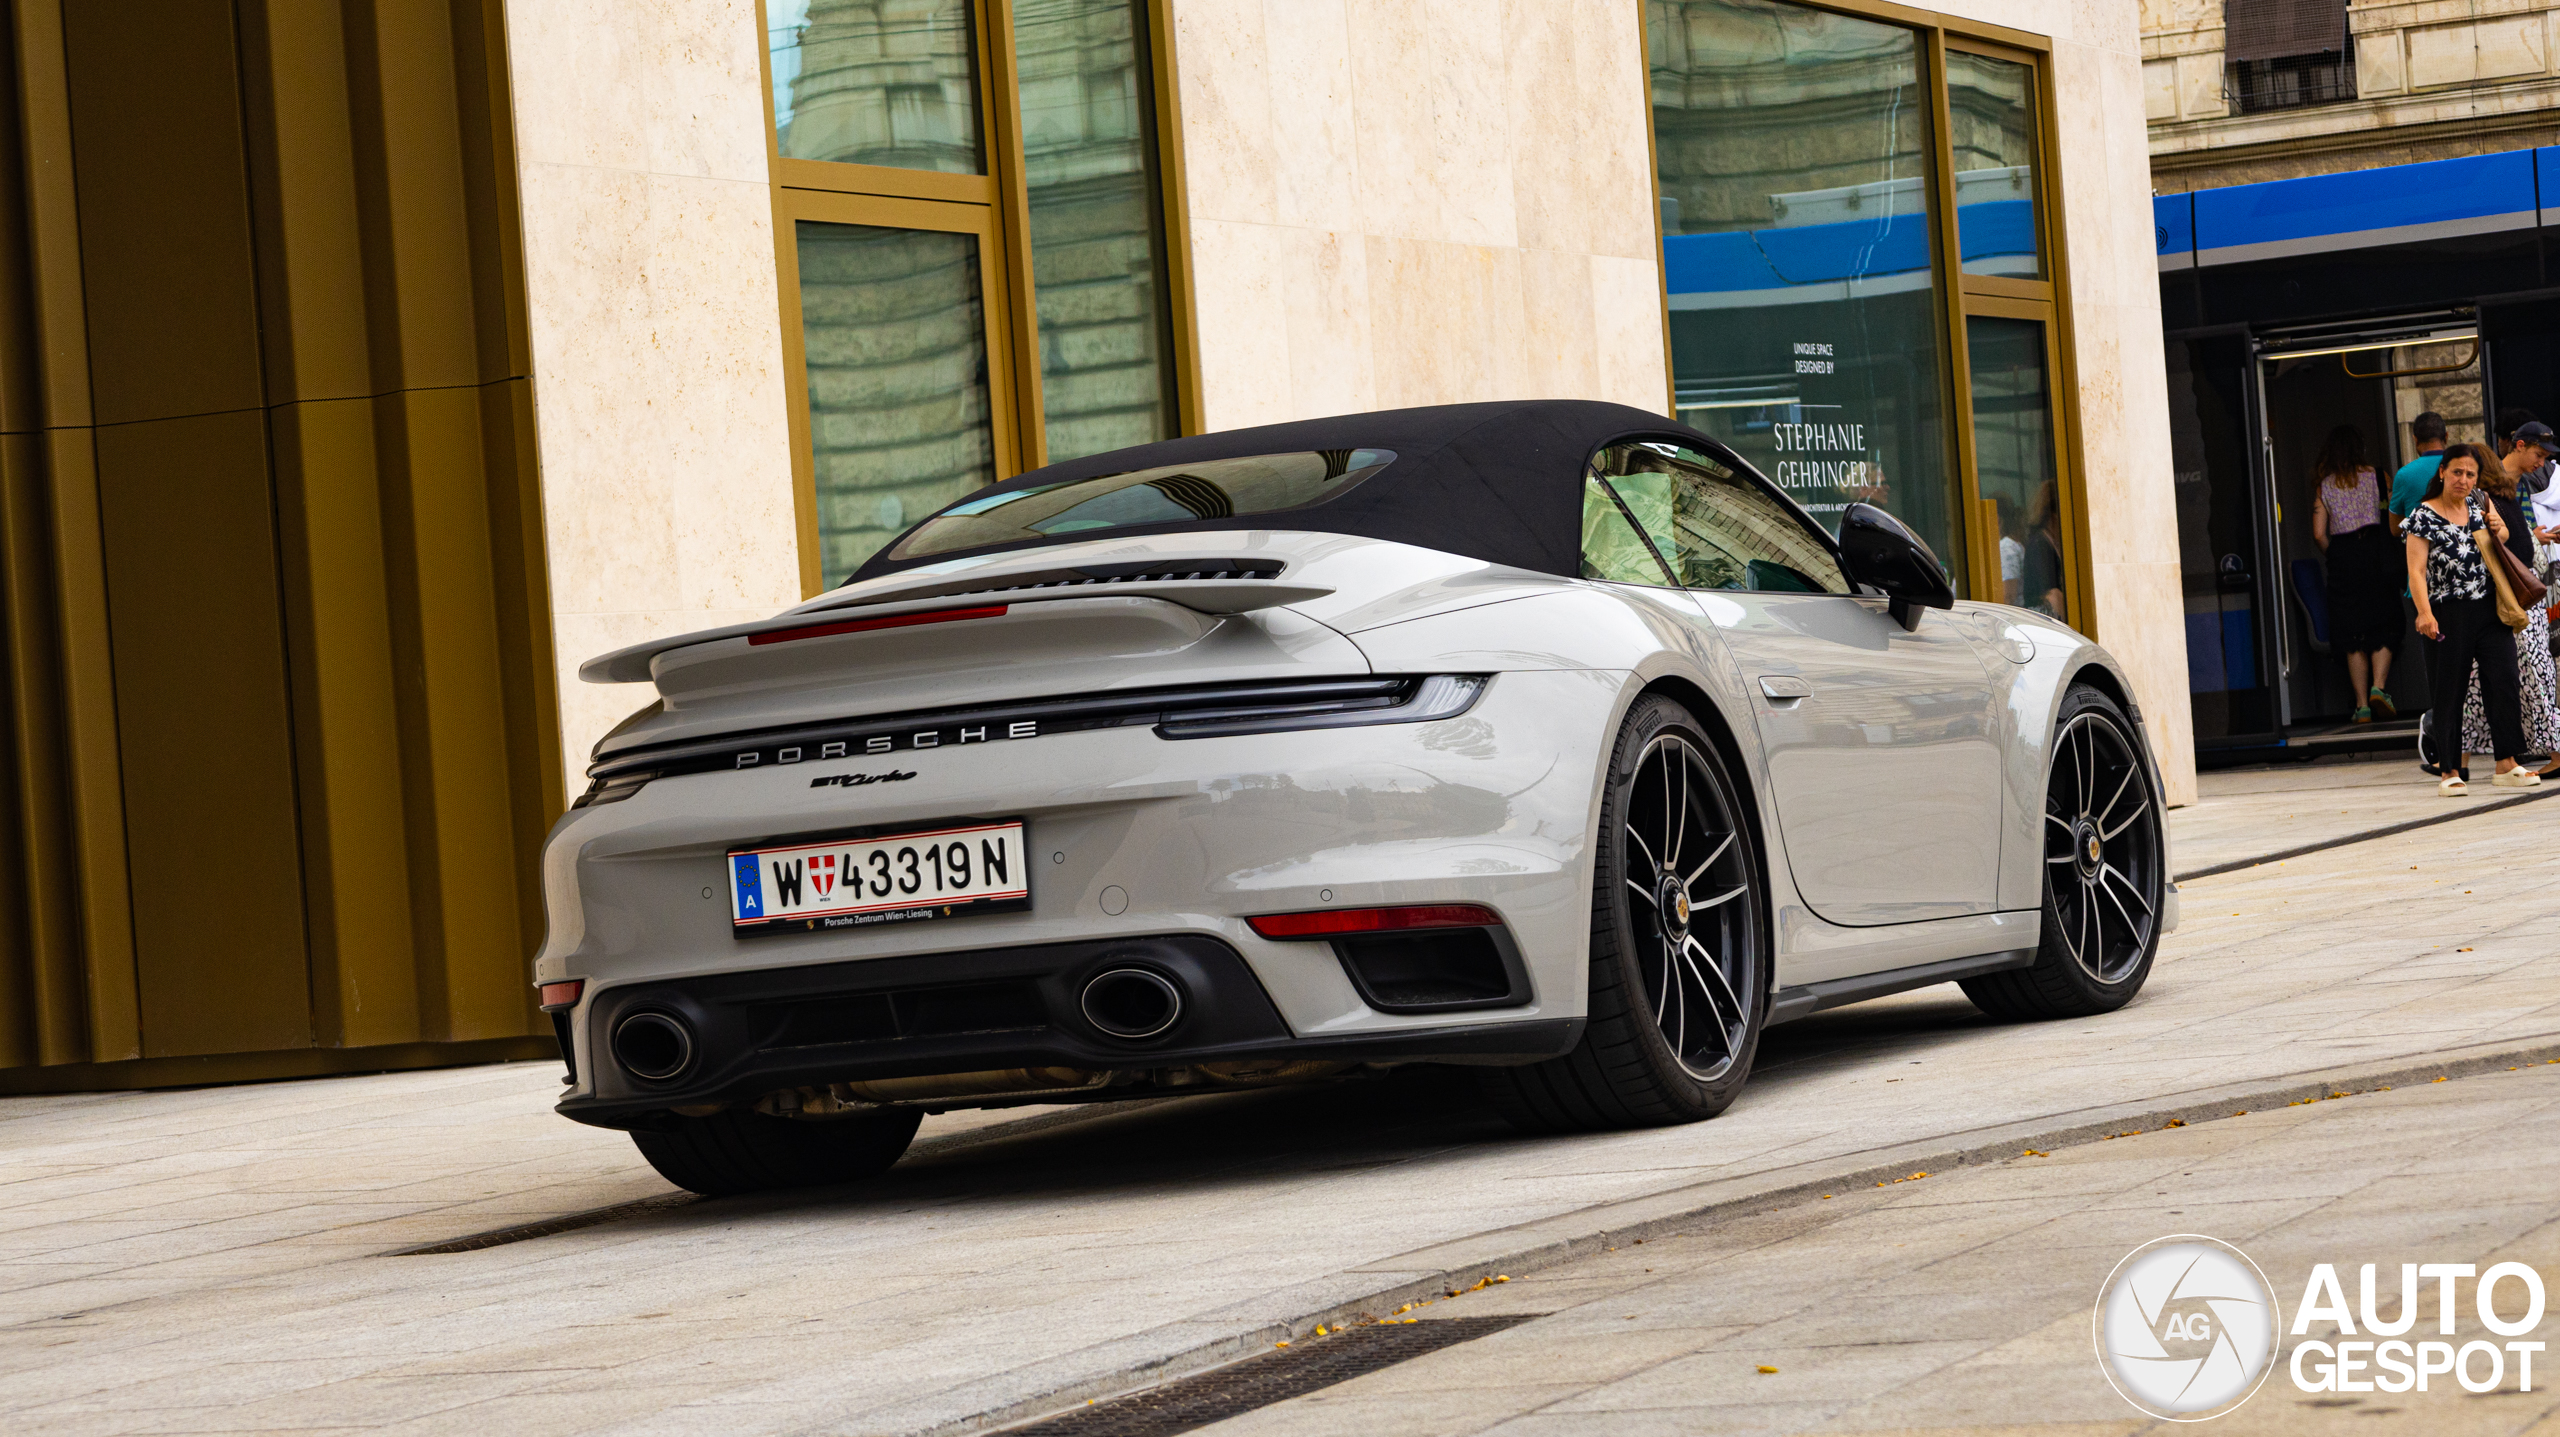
557, 996
1332, 922
893, 621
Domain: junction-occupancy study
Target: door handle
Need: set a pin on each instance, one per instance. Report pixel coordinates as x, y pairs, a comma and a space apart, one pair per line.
1784, 689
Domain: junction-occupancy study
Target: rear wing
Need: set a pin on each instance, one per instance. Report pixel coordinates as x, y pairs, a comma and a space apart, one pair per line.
1218, 586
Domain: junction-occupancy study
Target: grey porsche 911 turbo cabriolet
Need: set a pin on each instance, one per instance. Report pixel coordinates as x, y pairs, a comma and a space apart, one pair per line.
1545, 738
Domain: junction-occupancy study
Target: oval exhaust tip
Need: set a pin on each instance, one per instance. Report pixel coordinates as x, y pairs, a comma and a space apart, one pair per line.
1132, 1003
653, 1046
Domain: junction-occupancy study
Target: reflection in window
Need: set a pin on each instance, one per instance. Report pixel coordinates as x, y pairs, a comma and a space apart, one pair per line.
1716, 529
895, 336
875, 82
1612, 551
1991, 113
1096, 246
2013, 458
1793, 152
1179, 493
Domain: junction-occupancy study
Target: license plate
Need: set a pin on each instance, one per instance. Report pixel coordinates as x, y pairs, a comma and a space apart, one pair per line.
880, 878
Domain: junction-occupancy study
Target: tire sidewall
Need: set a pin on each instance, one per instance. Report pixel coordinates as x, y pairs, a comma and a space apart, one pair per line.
1650, 718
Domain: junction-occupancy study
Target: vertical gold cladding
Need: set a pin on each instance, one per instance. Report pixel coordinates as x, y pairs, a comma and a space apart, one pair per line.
203, 726
313, 519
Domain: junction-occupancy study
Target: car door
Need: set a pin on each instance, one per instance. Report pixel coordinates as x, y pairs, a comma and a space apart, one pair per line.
1880, 741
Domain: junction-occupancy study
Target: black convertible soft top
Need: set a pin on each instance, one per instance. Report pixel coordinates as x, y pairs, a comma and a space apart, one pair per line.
1499, 482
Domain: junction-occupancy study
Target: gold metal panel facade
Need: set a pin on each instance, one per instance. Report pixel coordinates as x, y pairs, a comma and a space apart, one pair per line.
275, 684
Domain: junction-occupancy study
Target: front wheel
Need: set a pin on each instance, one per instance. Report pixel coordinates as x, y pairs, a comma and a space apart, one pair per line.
743, 1151
1680, 963
2105, 874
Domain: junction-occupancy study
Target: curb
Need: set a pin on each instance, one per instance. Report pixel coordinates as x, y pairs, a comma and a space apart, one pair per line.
1458, 1264
2386, 831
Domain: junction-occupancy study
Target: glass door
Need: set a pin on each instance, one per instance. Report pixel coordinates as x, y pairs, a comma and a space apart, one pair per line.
2009, 368
2221, 508
2023, 542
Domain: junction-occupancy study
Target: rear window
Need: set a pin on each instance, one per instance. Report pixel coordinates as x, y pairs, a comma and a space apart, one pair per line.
1176, 494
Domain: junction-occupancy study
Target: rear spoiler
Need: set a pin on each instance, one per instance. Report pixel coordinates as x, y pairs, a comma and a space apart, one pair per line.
1212, 592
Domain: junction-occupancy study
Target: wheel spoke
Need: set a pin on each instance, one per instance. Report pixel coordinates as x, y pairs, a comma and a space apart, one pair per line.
1719, 900
1717, 987
2111, 871
1647, 851
1642, 892
2132, 930
1710, 858
1670, 816
1677, 834
2109, 811
1671, 981
2090, 929
2088, 765
2138, 811
2070, 933
2062, 858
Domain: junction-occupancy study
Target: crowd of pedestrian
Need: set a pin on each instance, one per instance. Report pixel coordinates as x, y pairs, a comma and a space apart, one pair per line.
2476, 531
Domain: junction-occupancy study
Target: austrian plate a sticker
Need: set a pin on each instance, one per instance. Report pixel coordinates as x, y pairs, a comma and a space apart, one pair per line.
879, 878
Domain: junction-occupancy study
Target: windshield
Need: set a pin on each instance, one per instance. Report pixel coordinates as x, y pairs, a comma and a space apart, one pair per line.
1175, 494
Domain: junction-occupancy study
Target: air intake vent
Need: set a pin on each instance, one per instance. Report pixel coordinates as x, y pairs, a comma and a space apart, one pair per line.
1162, 571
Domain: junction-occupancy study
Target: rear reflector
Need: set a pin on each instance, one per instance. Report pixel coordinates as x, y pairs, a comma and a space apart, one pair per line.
1327, 923
892, 621
562, 995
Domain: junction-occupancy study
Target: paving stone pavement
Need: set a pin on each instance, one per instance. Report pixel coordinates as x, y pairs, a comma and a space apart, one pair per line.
2246, 813
211, 1260
1962, 1303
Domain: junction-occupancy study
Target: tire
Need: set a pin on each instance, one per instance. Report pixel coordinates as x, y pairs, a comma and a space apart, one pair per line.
1675, 1007
2105, 874
744, 1151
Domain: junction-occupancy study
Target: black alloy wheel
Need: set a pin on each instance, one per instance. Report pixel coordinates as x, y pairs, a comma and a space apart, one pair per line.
1680, 961
2105, 873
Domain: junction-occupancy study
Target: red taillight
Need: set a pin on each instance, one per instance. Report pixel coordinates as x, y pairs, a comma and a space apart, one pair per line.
1328, 922
562, 995
893, 621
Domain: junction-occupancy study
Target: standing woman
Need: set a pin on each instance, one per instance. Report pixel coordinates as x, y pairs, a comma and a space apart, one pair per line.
2364, 565
2537, 711
2449, 584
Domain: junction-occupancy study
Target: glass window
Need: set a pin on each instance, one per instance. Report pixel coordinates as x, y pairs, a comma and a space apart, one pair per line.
894, 330
1612, 551
875, 82
2013, 458
1793, 147
1096, 243
1715, 528
1082, 508
1992, 119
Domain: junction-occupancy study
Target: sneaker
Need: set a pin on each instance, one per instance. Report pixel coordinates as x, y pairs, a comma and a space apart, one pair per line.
2362, 716
2517, 777
2381, 705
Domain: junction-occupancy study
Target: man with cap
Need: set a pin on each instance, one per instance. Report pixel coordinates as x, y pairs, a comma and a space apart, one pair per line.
2530, 458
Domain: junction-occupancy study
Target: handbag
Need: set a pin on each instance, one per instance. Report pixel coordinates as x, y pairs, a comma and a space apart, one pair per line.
2519, 593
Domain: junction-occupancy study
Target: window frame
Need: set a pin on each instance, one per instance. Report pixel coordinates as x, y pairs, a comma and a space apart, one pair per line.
996, 207
1962, 294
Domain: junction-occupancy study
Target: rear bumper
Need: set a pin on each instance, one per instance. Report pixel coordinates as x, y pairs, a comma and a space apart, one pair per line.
757, 1032
1132, 838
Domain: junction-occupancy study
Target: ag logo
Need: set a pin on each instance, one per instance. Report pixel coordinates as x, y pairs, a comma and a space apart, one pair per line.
2186, 1328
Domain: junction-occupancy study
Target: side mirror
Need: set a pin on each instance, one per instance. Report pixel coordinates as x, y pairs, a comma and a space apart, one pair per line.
1881, 552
